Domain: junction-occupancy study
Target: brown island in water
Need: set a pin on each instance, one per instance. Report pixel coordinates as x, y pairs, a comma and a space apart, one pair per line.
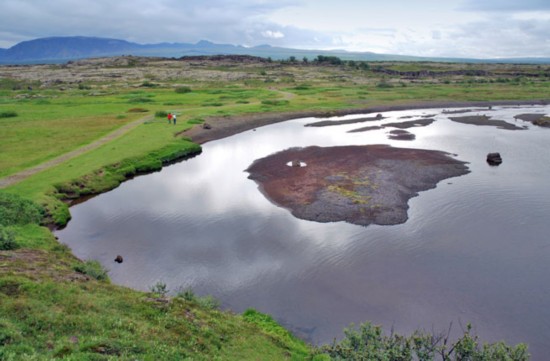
357, 184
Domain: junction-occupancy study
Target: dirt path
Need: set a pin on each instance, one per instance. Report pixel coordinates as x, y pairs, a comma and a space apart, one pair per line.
24, 174
19, 176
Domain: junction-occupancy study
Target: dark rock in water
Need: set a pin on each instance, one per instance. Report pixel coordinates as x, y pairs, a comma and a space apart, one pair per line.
537, 119
401, 134
494, 158
206, 126
119, 259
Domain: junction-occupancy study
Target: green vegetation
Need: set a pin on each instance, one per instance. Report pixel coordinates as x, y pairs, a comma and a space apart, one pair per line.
369, 342
7, 239
53, 305
8, 114
183, 89
93, 269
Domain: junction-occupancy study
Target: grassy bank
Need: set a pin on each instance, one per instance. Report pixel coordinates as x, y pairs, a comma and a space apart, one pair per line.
53, 305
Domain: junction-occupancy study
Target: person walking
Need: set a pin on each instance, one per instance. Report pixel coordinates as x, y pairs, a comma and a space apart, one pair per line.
174, 118
169, 118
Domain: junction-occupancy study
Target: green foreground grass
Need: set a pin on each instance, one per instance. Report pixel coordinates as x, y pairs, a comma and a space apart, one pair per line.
53, 305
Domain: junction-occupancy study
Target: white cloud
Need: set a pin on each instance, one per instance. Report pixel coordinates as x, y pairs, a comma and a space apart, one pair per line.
458, 28
506, 5
273, 34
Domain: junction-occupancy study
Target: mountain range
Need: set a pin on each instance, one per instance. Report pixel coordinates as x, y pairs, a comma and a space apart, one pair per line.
62, 49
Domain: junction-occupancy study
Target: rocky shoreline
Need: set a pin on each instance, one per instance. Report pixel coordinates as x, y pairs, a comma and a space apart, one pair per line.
222, 127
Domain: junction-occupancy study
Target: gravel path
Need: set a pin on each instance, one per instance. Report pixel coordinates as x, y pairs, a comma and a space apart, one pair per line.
24, 174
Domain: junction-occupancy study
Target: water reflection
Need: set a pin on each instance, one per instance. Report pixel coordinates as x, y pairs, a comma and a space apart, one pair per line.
475, 249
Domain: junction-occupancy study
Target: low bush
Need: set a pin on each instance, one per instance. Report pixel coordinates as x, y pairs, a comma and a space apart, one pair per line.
148, 84
93, 269
212, 104
369, 342
15, 210
274, 102
138, 110
209, 302
384, 85
183, 90
159, 289
7, 239
161, 114
8, 114
187, 294
140, 100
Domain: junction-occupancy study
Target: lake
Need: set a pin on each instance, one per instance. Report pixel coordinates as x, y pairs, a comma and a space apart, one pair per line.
474, 249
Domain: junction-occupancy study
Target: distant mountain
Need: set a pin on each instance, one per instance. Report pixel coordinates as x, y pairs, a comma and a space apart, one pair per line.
62, 49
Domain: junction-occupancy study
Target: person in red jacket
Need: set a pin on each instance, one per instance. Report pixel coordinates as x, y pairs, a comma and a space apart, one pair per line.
169, 118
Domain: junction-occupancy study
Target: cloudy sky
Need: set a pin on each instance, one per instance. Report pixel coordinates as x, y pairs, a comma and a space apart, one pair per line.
450, 28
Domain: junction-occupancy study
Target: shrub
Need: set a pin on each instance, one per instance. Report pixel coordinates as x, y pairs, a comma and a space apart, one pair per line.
93, 269
274, 102
161, 114
148, 84
160, 289
209, 302
140, 100
187, 294
7, 239
138, 110
369, 342
183, 90
384, 85
8, 114
15, 210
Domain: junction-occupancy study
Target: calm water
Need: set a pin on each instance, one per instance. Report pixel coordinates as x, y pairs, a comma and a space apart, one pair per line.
475, 249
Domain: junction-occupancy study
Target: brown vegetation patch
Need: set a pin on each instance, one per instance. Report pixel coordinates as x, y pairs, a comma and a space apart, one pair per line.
357, 184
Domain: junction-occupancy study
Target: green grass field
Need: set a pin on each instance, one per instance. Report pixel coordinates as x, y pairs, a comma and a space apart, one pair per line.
51, 304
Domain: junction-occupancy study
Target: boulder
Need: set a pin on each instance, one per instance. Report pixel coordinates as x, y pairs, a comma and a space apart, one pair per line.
206, 126
119, 259
494, 158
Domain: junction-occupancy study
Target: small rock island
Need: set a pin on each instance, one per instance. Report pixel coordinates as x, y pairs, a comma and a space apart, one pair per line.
362, 185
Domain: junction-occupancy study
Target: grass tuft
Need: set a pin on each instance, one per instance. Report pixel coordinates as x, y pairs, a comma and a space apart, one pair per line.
93, 269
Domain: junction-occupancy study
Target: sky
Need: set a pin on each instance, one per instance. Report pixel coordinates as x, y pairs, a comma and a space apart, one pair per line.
441, 28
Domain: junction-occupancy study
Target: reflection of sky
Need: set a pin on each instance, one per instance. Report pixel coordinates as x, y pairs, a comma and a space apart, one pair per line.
474, 249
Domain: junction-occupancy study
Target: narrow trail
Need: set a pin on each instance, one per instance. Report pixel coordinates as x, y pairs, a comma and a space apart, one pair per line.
24, 174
